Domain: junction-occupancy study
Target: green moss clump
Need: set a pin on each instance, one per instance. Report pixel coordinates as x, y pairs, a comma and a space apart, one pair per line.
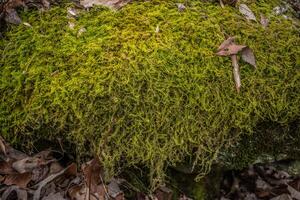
135, 96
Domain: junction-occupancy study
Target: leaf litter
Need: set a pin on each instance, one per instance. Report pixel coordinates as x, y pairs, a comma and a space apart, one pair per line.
260, 181
41, 176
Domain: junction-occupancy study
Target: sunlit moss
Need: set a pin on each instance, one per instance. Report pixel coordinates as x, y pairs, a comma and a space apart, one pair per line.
137, 96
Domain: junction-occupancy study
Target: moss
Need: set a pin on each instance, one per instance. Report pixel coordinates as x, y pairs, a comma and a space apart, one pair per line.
135, 96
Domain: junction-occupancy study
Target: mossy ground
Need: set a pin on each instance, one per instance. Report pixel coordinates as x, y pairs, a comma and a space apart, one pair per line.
137, 97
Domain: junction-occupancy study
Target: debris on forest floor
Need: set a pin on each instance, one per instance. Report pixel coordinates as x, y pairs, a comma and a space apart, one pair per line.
245, 10
43, 177
229, 48
259, 182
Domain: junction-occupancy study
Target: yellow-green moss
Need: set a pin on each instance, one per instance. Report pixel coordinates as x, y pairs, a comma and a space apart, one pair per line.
140, 97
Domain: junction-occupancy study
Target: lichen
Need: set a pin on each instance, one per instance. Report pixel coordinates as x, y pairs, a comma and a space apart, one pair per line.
136, 96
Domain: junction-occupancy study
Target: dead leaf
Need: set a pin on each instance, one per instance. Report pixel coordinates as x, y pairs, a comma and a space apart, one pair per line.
226, 43
163, 193
245, 10
54, 196
21, 194
76, 192
6, 168
13, 154
20, 180
100, 193
282, 197
69, 170
281, 175
248, 56
39, 173
12, 17
231, 49
1, 178
46, 4
295, 184
114, 190
113, 4
264, 21
55, 167
93, 172
294, 193
250, 196
27, 164
50, 189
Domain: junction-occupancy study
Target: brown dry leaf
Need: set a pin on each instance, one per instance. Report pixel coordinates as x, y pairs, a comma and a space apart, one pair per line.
12, 17
295, 184
294, 193
263, 194
245, 10
282, 197
10, 13
100, 192
6, 168
71, 169
20, 180
27, 164
120, 197
54, 196
44, 155
39, 173
264, 21
113, 4
248, 56
231, 49
163, 193
281, 175
13, 154
1, 178
46, 4
55, 167
76, 192
226, 43
114, 190
93, 172
83, 193
21, 194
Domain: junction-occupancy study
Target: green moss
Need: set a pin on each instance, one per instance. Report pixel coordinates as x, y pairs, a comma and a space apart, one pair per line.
135, 96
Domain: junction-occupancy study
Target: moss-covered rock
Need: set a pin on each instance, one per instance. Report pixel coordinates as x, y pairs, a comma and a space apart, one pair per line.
137, 96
